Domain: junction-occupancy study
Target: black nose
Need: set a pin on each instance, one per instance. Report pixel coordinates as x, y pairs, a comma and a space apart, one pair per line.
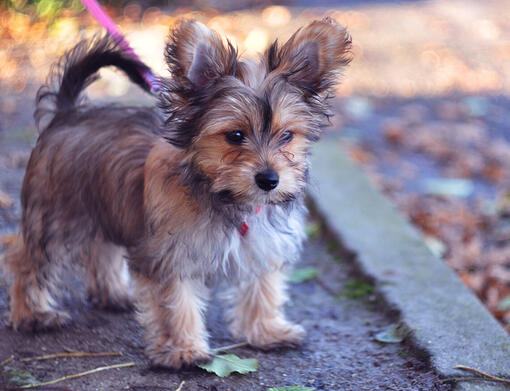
267, 180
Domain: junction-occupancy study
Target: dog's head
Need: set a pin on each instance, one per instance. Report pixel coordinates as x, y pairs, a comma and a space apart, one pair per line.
247, 126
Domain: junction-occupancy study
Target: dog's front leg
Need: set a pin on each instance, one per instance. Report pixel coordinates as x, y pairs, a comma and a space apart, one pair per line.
256, 312
172, 314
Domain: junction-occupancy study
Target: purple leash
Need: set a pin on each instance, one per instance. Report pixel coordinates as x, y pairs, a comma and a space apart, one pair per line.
104, 20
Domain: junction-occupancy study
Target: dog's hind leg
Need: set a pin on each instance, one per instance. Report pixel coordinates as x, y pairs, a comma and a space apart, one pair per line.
108, 276
32, 305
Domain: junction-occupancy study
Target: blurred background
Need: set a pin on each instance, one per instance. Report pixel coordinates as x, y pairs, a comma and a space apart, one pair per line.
424, 107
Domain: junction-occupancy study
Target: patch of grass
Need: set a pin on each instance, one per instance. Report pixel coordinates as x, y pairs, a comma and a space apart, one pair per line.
358, 288
303, 274
44, 9
332, 246
313, 229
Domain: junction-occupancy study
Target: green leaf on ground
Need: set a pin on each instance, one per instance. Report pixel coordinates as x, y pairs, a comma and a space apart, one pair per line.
394, 333
18, 377
436, 246
449, 187
303, 274
291, 388
224, 364
354, 289
504, 304
313, 229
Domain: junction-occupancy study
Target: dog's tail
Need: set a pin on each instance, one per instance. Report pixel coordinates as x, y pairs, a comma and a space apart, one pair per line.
76, 70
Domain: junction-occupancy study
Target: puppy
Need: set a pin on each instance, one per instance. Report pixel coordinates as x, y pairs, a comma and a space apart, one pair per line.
210, 185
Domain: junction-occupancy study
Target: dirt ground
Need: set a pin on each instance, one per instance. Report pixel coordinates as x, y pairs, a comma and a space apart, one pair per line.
339, 352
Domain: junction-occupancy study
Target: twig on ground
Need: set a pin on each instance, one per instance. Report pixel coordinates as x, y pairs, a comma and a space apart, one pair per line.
7, 360
466, 378
180, 386
99, 369
230, 347
72, 354
484, 376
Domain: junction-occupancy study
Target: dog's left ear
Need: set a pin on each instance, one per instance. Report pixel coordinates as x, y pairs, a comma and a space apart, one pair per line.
196, 53
313, 57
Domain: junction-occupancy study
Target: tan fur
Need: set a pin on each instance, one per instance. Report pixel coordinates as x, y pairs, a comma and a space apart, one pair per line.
172, 317
256, 312
31, 302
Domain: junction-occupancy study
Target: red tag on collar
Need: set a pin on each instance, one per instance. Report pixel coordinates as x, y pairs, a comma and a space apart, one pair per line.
243, 229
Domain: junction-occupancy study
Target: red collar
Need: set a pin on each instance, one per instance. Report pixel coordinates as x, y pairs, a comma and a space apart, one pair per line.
243, 229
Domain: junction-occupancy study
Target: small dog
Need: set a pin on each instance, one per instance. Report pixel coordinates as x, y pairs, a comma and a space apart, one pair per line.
211, 185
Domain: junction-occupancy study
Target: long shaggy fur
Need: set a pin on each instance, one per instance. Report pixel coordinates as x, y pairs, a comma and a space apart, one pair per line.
174, 195
76, 70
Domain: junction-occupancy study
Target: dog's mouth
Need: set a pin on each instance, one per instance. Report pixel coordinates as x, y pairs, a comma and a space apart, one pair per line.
283, 198
228, 197
276, 198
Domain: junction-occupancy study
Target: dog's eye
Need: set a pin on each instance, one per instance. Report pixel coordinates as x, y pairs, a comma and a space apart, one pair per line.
286, 136
235, 137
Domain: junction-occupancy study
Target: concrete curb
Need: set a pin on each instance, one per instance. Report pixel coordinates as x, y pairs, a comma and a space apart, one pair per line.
449, 322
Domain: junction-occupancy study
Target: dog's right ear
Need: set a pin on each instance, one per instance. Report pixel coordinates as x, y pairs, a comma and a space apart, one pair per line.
197, 54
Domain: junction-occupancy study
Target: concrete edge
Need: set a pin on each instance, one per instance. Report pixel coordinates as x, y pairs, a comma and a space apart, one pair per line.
449, 323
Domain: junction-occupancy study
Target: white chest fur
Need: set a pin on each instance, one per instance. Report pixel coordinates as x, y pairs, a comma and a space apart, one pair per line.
272, 237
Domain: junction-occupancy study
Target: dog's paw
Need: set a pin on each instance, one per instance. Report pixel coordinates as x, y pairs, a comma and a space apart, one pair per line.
178, 357
274, 334
37, 321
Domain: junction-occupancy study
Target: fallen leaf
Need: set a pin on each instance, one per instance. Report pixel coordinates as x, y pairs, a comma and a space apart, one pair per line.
313, 229
394, 333
504, 304
393, 130
18, 377
358, 107
476, 106
450, 187
223, 365
360, 154
436, 246
303, 274
355, 289
8, 240
5, 200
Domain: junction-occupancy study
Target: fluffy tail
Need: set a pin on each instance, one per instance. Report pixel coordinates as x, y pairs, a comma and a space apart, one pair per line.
76, 70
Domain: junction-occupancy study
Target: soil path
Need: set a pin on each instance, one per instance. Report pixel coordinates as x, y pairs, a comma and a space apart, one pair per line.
339, 352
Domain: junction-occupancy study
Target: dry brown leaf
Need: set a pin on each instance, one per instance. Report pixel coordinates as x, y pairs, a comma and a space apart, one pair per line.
5, 200
8, 240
